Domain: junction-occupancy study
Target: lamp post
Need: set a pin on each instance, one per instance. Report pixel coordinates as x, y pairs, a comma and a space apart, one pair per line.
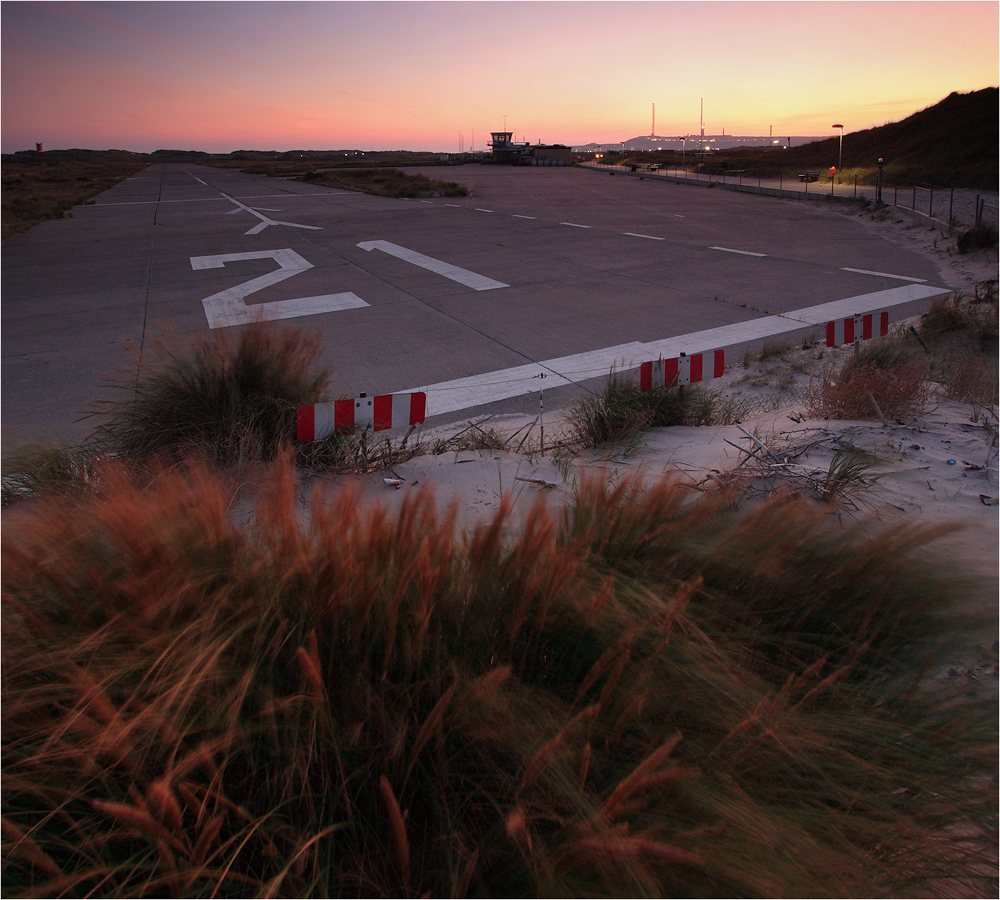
840, 155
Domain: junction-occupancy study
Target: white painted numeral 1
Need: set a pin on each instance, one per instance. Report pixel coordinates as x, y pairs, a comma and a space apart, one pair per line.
228, 307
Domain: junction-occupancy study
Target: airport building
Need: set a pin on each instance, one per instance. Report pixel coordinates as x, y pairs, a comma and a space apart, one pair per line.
506, 152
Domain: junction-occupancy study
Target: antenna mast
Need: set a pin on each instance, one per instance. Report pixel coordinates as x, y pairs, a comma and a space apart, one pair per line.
652, 132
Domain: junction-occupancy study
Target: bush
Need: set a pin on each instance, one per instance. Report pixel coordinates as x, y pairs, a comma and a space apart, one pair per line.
977, 238
899, 390
648, 696
231, 396
976, 317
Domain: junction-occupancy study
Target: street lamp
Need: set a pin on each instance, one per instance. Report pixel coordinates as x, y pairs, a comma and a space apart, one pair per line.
840, 156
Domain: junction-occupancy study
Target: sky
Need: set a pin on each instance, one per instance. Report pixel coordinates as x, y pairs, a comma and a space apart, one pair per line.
440, 76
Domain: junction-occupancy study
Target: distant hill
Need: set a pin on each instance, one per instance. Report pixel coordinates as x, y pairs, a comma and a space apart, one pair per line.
953, 143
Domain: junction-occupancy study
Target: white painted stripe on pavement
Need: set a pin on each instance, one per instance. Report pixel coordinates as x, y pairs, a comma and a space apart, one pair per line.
154, 202
502, 384
740, 252
574, 225
483, 210
884, 275
455, 273
648, 237
220, 199
517, 216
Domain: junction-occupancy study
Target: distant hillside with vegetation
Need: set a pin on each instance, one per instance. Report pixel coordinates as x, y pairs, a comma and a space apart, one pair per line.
953, 144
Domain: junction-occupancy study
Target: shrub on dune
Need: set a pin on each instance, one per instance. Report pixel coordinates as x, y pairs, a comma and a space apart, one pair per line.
230, 396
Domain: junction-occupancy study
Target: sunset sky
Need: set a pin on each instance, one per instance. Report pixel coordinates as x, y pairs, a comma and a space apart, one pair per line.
383, 75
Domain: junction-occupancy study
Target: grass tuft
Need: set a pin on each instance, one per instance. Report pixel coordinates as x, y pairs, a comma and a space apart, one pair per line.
231, 396
621, 412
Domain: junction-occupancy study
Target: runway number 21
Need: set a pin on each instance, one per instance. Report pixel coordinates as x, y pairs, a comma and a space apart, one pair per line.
229, 307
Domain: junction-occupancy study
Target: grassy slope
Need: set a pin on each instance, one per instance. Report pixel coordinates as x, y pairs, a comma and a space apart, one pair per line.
952, 143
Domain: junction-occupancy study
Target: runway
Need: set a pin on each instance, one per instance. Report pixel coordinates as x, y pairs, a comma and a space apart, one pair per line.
541, 271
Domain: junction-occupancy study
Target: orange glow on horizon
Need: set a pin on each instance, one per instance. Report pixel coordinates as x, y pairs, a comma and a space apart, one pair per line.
222, 77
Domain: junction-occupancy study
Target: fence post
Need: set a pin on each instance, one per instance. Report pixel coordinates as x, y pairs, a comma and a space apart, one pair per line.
541, 419
930, 211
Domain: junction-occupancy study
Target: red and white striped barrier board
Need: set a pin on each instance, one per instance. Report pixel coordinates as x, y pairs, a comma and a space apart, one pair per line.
682, 370
320, 420
845, 331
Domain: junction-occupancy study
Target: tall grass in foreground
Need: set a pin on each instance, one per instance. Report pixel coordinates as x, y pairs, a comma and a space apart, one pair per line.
647, 695
230, 397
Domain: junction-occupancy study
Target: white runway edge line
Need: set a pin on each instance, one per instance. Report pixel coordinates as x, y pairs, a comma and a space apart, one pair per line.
740, 252
648, 237
455, 273
574, 225
884, 275
489, 387
517, 216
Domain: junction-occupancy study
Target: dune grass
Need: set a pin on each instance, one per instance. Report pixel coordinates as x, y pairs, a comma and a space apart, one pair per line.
621, 411
646, 695
231, 396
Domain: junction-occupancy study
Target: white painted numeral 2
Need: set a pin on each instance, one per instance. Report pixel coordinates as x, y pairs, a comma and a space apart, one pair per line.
228, 307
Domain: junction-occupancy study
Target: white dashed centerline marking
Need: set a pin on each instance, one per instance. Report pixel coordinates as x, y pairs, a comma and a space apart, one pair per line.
740, 252
483, 210
574, 225
516, 216
648, 237
884, 275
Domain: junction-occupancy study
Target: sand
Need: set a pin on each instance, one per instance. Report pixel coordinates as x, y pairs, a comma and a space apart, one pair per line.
936, 467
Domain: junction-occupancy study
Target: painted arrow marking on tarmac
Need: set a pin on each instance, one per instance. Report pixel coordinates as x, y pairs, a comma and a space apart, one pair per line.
455, 273
265, 222
489, 387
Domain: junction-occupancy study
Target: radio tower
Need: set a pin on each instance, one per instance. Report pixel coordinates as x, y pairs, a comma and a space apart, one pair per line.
652, 132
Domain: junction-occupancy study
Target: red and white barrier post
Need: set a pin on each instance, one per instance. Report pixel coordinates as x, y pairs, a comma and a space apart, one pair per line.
380, 413
682, 370
855, 329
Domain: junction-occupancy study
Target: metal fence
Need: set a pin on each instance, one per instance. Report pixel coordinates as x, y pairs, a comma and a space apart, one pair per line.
942, 206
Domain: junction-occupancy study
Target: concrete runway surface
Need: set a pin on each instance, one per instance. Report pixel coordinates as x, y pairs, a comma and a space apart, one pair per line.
541, 271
